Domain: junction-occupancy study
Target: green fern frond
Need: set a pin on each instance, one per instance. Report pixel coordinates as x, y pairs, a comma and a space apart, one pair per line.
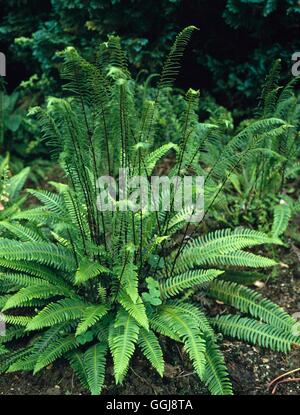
94, 361
12, 333
3, 350
187, 329
240, 259
23, 233
59, 312
41, 252
158, 323
27, 294
35, 215
35, 270
88, 270
17, 182
174, 285
136, 310
255, 332
223, 247
196, 313
282, 215
123, 336
17, 320
8, 359
51, 201
25, 363
216, 375
172, 64
76, 360
152, 158
249, 301
91, 316
151, 349
128, 277
54, 351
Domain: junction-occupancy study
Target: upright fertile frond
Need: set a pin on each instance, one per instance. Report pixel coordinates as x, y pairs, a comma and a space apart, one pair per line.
150, 347
271, 89
249, 301
123, 336
117, 55
172, 64
255, 332
51, 134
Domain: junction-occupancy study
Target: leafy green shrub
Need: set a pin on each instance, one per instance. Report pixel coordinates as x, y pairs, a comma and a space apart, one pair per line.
84, 284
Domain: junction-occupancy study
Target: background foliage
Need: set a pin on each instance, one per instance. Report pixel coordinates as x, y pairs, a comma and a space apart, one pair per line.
32, 32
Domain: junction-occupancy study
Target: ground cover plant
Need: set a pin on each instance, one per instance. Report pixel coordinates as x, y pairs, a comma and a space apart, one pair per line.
91, 286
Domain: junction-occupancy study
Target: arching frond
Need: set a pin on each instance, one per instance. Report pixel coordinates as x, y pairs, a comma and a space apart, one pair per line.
249, 301
255, 332
55, 313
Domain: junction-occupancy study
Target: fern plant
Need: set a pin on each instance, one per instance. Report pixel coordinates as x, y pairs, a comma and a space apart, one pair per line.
89, 285
11, 200
255, 191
